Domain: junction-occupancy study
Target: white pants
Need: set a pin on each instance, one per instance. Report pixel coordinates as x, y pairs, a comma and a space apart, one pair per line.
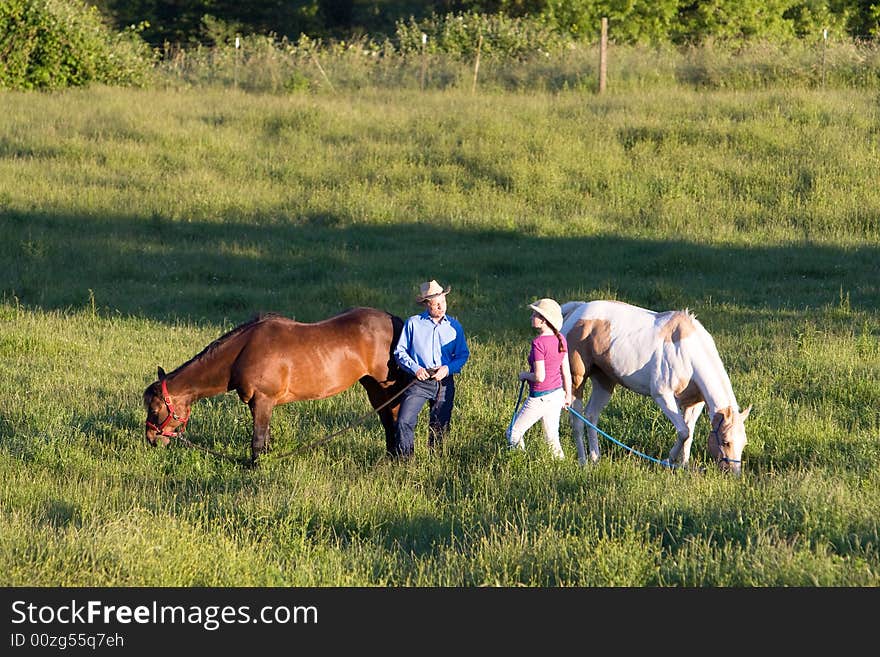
546, 408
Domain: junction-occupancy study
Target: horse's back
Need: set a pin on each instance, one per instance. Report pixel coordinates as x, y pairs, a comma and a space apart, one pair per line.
623, 341
608, 323
374, 331
366, 337
637, 347
358, 314
623, 319
361, 321
319, 359
367, 332
616, 313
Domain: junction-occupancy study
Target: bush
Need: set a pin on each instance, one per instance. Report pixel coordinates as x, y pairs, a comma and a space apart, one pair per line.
459, 34
52, 44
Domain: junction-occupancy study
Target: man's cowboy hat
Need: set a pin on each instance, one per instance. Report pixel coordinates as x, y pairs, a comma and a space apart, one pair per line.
430, 290
550, 311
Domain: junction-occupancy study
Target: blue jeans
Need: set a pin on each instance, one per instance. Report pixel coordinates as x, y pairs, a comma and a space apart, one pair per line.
440, 395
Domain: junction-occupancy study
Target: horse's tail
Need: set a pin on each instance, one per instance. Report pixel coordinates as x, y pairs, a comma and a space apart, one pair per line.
395, 372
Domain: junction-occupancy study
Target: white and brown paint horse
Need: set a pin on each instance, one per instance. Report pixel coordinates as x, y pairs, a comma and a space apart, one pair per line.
668, 356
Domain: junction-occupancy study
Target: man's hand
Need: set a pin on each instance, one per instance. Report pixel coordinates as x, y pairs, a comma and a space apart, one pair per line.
441, 373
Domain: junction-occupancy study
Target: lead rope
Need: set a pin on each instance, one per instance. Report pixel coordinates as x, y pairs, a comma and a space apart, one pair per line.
665, 462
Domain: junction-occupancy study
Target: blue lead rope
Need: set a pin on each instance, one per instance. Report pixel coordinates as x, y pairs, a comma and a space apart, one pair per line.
664, 462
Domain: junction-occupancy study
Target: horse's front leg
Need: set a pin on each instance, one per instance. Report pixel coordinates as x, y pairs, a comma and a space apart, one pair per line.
261, 410
691, 413
669, 406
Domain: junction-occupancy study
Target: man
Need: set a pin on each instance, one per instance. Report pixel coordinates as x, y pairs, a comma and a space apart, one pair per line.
432, 347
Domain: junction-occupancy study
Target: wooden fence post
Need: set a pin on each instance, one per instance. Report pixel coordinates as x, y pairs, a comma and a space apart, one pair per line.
603, 55
424, 63
477, 64
235, 70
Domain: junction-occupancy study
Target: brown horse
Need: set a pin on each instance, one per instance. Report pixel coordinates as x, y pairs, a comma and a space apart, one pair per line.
273, 360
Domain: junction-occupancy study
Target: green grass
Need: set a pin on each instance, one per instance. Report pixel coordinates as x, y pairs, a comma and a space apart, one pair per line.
138, 226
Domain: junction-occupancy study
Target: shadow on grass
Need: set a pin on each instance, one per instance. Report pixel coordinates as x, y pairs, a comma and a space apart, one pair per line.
225, 273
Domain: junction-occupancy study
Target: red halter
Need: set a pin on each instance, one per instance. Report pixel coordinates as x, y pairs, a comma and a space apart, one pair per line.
160, 429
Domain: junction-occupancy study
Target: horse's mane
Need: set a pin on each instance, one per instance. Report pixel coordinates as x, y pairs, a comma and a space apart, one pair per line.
216, 344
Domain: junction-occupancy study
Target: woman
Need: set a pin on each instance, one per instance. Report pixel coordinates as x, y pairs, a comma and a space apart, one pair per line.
549, 379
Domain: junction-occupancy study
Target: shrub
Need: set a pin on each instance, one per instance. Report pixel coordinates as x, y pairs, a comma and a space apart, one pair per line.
52, 44
459, 34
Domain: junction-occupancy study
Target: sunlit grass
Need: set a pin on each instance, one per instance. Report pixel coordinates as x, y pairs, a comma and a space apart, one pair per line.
138, 226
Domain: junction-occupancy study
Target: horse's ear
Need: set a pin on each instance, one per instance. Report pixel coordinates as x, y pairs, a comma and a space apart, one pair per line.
744, 414
161, 373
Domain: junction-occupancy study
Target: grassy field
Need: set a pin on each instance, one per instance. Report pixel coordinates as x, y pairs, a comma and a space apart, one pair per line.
138, 226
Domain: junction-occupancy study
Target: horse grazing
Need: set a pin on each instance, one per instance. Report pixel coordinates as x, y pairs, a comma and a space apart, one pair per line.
668, 356
272, 360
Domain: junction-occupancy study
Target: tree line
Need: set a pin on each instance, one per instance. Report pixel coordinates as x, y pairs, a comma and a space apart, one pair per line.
47, 44
187, 22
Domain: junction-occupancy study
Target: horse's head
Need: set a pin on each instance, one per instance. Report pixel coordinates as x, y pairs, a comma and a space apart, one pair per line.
728, 438
164, 418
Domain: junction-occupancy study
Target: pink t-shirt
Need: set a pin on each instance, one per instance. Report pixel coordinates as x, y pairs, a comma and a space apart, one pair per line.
546, 348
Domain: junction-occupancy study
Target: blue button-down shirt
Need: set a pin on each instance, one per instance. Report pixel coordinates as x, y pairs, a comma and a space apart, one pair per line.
424, 343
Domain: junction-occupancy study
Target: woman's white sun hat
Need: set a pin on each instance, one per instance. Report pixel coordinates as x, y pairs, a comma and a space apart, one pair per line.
550, 311
429, 290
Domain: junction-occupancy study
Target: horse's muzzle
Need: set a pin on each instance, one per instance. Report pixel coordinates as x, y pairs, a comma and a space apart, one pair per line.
733, 467
154, 438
